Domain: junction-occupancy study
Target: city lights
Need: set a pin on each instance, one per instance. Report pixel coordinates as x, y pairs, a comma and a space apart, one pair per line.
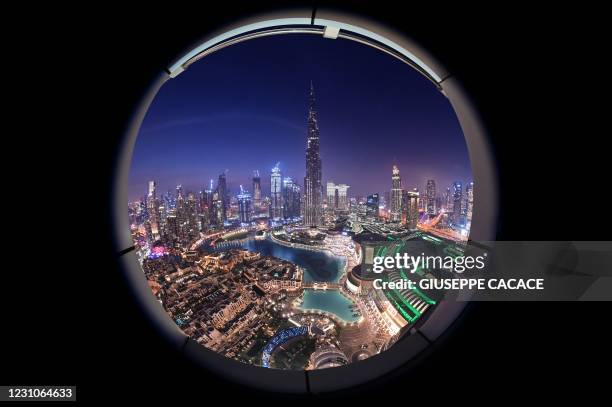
270, 253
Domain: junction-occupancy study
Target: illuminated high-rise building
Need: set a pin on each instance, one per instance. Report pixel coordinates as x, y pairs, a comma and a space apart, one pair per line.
276, 193
337, 196
395, 206
223, 196
218, 213
448, 200
457, 197
342, 201
372, 203
297, 201
291, 199
172, 228
312, 180
410, 208
256, 189
469, 193
431, 197
148, 232
192, 215
331, 195
181, 213
244, 205
208, 202
152, 188
206, 198
203, 211
422, 202
439, 204
153, 210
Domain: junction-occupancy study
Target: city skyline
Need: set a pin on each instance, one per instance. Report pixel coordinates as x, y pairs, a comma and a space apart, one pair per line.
430, 201
172, 150
280, 277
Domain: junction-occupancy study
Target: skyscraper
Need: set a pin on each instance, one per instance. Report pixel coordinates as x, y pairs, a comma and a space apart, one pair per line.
448, 200
457, 195
209, 203
297, 201
312, 180
276, 197
244, 205
331, 195
172, 228
337, 196
466, 209
179, 191
342, 197
152, 210
192, 215
181, 213
223, 196
431, 197
410, 208
256, 189
395, 206
372, 206
206, 199
152, 188
291, 198
469, 192
218, 214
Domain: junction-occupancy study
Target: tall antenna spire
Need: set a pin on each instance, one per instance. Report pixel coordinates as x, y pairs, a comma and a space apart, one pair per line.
311, 97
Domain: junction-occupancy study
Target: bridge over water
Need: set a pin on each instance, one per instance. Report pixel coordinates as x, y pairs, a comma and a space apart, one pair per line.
321, 285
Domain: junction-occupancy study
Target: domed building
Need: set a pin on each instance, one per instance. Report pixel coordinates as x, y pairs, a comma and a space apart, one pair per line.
328, 356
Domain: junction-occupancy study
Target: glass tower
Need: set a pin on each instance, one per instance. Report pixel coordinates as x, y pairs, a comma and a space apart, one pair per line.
457, 195
312, 180
431, 197
256, 189
244, 204
276, 197
396, 195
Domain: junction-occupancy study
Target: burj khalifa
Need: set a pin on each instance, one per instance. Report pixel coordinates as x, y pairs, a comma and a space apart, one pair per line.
312, 180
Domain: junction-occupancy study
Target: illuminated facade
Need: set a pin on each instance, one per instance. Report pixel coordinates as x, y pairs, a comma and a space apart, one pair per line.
244, 206
276, 197
410, 208
223, 196
431, 197
372, 204
395, 206
312, 180
218, 213
457, 195
256, 189
469, 197
326, 357
448, 201
291, 199
337, 196
152, 212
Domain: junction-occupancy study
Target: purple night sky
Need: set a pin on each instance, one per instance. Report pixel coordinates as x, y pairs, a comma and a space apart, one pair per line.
244, 108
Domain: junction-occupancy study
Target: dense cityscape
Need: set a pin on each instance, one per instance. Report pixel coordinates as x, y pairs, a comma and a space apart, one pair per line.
283, 279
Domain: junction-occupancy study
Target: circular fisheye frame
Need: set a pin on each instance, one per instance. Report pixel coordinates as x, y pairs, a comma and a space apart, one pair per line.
263, 182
